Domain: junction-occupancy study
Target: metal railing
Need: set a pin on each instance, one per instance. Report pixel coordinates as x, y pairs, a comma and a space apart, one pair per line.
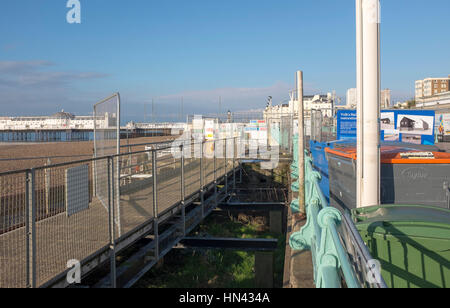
52, 215
338, 251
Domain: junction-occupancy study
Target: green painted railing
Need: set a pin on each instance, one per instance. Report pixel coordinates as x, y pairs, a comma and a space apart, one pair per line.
320, 234
294, 175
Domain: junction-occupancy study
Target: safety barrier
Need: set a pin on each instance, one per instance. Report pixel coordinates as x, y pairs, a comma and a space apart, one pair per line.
55, 215
337, 248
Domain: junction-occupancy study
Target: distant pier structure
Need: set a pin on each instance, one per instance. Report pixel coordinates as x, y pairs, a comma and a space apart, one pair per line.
61, 126
64, 126
136, 130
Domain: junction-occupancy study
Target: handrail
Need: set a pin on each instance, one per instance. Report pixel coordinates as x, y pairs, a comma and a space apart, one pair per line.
91, 159
321, 236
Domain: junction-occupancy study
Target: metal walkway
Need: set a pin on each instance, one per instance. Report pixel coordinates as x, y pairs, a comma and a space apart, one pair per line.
153, 197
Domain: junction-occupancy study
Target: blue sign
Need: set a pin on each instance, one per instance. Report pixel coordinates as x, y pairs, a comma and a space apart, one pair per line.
410, 126
346, 124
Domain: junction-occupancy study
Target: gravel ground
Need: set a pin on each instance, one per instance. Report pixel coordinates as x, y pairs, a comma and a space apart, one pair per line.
19, 156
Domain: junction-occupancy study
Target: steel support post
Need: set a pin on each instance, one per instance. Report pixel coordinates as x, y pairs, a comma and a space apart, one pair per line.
215, 174
111, 218
31, 228
155, 203
301, 144
226, 169
183, 195
234, 163
202, 180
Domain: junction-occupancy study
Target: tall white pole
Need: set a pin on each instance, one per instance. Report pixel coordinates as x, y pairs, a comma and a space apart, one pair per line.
301, 144
369, 114
359, 110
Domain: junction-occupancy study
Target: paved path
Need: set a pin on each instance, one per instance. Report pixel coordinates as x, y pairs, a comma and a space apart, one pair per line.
444, 146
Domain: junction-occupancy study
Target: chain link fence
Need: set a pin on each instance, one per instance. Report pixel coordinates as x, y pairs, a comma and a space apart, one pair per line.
52, 214
323, 128
255, 128
107, 143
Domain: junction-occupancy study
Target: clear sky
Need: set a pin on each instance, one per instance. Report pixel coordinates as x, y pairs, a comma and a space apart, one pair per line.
241, 50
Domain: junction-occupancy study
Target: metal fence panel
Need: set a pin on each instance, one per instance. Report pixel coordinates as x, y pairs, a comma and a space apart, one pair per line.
13, 235
136, 189
208, 162
41, 229
220, 152
107, 143
169, 181
59, 237
192, 168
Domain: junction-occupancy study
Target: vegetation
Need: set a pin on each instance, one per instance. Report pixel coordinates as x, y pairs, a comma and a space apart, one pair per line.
217, 268
411, 104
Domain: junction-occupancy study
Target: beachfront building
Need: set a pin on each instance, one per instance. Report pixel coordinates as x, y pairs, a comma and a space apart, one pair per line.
58, 121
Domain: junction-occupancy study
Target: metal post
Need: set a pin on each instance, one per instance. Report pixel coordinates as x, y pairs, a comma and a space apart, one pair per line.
112, 233
47, 187
240, 172
226, 162
202, 184
234, 164
117, 181
31, 228
155, 203
301, 144
183, 195
215, 174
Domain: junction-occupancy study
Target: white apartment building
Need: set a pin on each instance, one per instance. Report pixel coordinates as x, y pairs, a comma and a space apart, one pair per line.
438, 101
351, 98
419, 89
431, 87
325, 103
385, 101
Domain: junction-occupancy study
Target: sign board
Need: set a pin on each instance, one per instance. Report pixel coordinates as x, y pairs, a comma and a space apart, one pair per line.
77, 189
257, 131
209, 129
346, 124
410, 126
443, 122
197, 125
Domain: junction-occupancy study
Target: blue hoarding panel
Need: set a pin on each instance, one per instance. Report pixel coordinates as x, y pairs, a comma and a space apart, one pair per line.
410, 126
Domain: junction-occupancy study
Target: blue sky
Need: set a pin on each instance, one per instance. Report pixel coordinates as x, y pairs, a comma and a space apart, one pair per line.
241, 50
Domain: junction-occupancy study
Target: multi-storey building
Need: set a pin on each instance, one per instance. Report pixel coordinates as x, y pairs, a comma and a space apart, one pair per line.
385, 100
351, 98
431, 87
324, 103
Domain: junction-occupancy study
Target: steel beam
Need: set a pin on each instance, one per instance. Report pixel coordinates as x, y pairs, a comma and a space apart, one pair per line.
229, 243
252, 207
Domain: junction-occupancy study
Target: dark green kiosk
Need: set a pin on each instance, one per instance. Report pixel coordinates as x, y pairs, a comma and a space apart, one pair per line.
412, 243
